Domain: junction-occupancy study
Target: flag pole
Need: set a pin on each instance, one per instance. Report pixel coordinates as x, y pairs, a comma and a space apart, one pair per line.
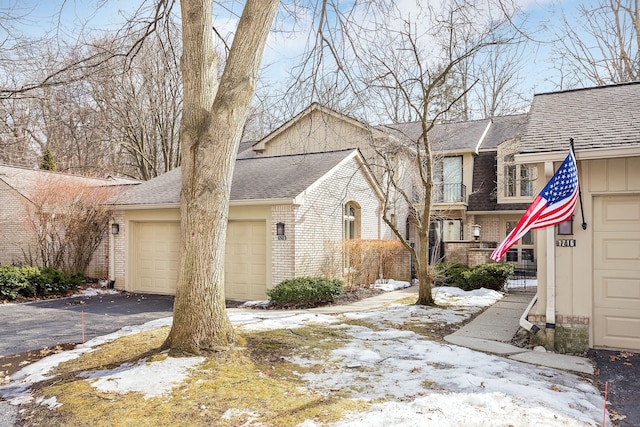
573, 150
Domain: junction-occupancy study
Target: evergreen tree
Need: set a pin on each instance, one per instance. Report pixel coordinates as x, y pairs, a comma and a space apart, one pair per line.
48, 163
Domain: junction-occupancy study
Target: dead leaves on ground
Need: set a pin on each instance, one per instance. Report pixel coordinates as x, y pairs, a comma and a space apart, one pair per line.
625, 356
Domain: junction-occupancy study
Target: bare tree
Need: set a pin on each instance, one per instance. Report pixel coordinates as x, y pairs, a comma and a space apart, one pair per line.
421, 66
214, 113
497, 70
68, 220
601, 46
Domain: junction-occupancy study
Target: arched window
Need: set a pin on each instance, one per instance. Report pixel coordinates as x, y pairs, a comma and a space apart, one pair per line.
351, 221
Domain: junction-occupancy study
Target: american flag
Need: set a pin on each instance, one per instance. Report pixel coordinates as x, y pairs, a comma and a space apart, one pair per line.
555, 204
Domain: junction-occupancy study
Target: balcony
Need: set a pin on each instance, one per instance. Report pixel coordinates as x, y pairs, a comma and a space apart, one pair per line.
449, 193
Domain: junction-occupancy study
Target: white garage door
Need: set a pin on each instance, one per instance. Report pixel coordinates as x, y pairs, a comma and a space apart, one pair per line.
616, 271
156, 251
246, 261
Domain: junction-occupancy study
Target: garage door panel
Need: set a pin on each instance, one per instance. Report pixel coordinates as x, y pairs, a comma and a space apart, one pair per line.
617, 250
156, 257
245, 260
616, 212
156, 251
616, 289
618, 328
616, 271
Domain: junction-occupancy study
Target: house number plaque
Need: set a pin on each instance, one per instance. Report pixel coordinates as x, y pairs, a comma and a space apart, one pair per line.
566, 243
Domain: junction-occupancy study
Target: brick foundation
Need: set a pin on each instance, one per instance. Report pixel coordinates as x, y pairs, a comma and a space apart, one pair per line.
572, 332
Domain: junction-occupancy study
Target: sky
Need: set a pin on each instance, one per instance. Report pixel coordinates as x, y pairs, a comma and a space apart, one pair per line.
83, 20
41, 17
472, 388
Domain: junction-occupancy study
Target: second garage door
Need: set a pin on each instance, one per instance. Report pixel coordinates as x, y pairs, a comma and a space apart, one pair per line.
246, 260
155, 265
616, 271
156, 248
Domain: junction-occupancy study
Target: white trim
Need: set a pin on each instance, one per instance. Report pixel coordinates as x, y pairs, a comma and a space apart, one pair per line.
262, 202
299, 199
143, 206
261, 144
586, 154
248, 202
484, 134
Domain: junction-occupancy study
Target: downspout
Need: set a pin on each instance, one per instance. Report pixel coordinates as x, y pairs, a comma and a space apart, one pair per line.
550, 326
525, 324
549, 335
112, 256
550, 316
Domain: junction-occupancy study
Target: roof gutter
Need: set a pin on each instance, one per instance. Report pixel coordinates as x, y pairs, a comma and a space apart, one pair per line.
149, 206
583, 154
248, 202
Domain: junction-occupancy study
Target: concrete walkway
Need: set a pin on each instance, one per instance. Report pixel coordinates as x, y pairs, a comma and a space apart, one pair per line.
490, 332
493, 329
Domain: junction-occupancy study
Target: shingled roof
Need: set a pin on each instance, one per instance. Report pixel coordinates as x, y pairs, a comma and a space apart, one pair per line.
598, 117
258, 178
455, 136
483, 196
504, 128
26, 181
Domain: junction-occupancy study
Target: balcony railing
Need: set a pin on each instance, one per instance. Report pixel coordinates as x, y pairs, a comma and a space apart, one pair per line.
449, 193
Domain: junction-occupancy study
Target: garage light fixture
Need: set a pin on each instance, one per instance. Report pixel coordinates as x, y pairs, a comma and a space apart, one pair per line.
476, 231
566, 228
280, 229
115, 228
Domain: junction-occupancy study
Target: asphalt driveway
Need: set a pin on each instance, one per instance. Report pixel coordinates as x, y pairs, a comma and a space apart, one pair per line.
36, 325
621, 370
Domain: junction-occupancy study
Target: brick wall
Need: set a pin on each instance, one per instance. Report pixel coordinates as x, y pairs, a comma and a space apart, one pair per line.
319, 220
16, 235
572, 332
283, 251
118, 264
98, 268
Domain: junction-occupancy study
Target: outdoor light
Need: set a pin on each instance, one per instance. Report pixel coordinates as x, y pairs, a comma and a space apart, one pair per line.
115, 228
566, 228
280, 229
476, 231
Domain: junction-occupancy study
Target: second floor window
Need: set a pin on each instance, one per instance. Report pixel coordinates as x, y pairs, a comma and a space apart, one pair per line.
518, 179
447, 180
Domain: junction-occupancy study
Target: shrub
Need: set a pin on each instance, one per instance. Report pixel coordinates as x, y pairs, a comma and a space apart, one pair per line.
55, 282
372, 259
14, 283
27, 281
306, 291
450, 274
490, 276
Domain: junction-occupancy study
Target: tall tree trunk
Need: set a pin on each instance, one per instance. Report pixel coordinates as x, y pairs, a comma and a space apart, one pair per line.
212, 121
425, 281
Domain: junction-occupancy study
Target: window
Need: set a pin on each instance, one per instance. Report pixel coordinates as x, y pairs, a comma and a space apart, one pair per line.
523, 249
351, 229
447, 180
351, 221
451, 230
518, 179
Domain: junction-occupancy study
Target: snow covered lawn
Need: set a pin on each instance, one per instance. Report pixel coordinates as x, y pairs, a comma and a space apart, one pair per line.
384, 357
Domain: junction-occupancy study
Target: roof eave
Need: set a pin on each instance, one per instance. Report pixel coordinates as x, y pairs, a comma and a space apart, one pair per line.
584, 154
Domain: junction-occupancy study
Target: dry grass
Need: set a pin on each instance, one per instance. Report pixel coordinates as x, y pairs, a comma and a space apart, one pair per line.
255, 383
